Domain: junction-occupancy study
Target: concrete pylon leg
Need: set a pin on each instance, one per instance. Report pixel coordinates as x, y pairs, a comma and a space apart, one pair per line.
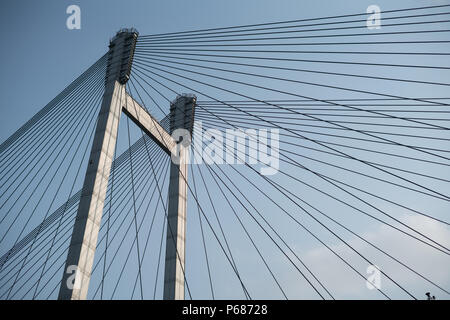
176, 232
75, 282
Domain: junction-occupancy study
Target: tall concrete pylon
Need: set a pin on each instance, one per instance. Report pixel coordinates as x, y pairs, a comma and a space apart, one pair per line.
80, 258
182, 117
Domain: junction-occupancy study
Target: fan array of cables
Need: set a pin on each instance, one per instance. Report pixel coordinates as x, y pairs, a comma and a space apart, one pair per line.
362, 178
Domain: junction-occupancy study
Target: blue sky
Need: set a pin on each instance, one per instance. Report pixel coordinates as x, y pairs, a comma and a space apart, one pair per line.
41, 56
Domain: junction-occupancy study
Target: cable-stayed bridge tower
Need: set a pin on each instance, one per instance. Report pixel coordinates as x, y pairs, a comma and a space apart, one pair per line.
83, 243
